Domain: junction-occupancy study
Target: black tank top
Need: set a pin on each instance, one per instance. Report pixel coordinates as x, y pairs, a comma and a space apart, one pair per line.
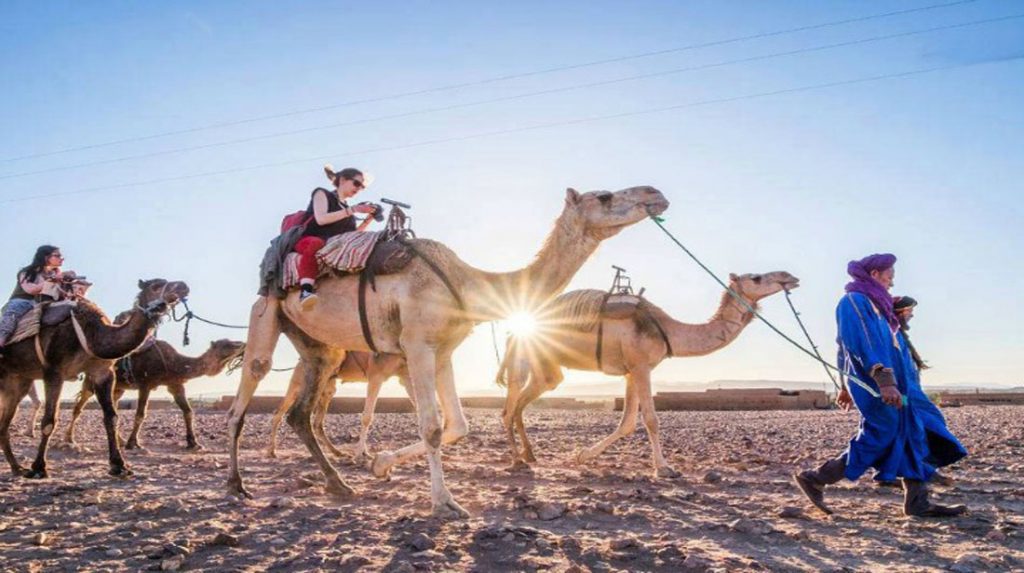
334, 204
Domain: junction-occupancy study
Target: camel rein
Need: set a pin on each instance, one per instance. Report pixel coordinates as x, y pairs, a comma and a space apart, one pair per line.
815, 355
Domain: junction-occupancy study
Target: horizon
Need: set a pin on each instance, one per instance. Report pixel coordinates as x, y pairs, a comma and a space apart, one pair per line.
791, 162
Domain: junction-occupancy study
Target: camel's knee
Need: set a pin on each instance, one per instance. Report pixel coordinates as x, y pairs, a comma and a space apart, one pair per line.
432, 434
259, 368
298, 418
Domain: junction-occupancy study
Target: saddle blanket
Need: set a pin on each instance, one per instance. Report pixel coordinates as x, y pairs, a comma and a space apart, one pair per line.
43, 314
345, 253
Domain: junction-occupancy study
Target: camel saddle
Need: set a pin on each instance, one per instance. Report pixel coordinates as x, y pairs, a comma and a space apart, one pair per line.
620, 306
43, 314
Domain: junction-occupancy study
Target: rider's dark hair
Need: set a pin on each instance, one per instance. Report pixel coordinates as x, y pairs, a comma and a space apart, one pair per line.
31, 272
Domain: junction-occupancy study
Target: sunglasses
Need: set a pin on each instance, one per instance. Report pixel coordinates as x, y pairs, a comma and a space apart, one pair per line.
57, 255
359, 184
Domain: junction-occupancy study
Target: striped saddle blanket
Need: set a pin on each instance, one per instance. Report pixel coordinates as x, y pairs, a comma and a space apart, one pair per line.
345, 253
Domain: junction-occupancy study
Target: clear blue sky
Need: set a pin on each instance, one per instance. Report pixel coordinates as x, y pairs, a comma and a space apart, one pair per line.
927, 167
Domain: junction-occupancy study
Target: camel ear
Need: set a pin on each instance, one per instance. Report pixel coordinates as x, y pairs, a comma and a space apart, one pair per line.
733, 277
142, 284
572, 196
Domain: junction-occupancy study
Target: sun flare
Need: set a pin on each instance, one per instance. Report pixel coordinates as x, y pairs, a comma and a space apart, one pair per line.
521, 324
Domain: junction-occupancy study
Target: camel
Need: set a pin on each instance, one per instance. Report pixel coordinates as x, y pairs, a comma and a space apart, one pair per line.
159, 364
357, 367
567, 336
422, 312
86, 342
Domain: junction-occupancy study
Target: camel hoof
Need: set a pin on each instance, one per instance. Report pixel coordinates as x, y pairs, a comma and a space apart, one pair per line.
519, 465
272, 454
529, 458
339, 490
36, 474
132, 445
582, 458
236, 488
380, 465
449, 510
19, 471
197, 447
120, 471
667, 472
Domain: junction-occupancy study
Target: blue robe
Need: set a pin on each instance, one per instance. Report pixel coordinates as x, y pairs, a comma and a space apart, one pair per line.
909, 442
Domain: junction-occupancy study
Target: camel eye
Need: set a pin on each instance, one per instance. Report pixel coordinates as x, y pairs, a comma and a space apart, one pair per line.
757, 279
604, 198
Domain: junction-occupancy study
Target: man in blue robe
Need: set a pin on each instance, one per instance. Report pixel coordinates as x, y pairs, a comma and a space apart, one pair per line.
892, 436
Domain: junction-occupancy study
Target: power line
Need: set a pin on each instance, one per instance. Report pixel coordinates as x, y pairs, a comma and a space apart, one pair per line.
496, 79
480, 135
563, 89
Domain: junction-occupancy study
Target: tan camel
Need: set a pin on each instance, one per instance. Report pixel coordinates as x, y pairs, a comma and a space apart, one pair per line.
414, 313
159, 364
357, 367
37, 408
567, 336
86, 342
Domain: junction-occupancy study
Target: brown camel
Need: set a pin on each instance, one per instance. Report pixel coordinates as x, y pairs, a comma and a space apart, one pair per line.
159, 364
86, 342
414, 313
357, 367
567, 336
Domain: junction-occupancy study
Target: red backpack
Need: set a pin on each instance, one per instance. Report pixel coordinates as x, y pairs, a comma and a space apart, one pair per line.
294, 220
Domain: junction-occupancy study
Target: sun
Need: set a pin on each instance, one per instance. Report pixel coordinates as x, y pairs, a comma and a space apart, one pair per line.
521, 324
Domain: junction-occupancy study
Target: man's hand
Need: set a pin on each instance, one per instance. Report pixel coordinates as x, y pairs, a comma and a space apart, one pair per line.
844, 400
887, 385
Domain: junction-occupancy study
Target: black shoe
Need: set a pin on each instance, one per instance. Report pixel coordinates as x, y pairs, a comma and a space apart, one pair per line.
915, 502
813, 482
307, 299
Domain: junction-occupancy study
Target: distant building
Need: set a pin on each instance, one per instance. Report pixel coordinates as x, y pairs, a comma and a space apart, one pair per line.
740, 399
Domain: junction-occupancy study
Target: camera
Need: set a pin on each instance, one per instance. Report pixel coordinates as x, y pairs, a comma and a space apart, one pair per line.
378, 211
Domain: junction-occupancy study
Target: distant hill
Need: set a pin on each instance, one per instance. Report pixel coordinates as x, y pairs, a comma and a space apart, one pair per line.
615, 388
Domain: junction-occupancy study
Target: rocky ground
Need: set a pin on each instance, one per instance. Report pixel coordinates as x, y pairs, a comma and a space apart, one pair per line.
734, 508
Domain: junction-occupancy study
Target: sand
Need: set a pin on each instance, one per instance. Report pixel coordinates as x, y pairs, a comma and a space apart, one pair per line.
733, 509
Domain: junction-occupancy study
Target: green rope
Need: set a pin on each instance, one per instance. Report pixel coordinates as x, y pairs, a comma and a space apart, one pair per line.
867, 388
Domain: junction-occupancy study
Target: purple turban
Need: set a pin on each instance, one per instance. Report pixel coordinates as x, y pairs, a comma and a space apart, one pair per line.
863, 283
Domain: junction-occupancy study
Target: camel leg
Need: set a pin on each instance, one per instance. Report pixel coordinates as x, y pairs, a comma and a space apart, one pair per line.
642, 382
118, 393
52, 385
323, 404
105, 394
294, 385
83, 397
13, 391
423, 369
320, 369
177, 392
360, 451
264, 330
542, 379
37, 408
140, 416
627, 425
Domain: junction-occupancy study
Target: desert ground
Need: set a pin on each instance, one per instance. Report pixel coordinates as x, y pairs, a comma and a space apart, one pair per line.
734, 508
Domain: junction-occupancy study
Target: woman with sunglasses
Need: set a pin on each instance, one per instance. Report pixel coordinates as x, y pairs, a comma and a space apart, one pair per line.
37, 281
329, 215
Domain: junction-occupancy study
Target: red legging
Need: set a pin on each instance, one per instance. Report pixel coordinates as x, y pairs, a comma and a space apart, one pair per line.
307, 248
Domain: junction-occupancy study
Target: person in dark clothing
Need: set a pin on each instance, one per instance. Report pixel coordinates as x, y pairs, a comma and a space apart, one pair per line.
329, 215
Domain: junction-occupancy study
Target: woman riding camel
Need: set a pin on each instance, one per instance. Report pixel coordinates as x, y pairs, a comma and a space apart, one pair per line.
329, 215
36, 282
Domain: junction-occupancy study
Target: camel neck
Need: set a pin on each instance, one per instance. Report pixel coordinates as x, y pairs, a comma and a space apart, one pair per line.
109, 341
497, 295
719, 331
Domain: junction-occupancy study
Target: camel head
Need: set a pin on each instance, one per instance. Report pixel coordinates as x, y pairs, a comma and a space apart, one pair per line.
158, 295
226, 350
754, 287
602, 214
